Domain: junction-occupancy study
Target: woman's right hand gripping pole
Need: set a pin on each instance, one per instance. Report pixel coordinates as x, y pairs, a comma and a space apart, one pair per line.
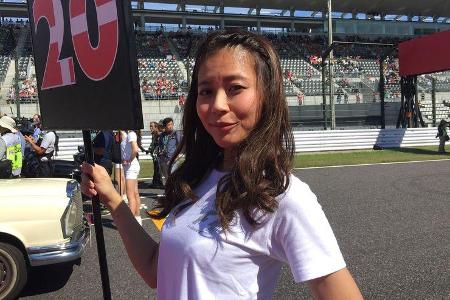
142, 249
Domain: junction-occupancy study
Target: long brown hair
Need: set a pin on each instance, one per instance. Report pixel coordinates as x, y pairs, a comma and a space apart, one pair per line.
264, 159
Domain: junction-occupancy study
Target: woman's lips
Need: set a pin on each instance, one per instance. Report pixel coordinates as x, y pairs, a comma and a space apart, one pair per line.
224, 126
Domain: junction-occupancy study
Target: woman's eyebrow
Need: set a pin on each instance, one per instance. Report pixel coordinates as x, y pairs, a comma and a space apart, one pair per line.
226, 78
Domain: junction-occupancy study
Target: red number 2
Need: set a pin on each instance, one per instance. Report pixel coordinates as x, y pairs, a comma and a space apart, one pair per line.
96, 62
57, 72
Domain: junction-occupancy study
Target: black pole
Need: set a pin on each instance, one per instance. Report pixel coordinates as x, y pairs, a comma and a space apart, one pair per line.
324, 96
89, 155
402, 104
381, 87
16, 73
433, 99
416, 103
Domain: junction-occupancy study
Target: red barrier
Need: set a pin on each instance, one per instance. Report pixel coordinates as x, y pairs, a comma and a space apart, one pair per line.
425, 55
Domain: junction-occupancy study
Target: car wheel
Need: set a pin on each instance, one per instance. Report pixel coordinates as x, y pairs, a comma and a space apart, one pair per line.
13, 271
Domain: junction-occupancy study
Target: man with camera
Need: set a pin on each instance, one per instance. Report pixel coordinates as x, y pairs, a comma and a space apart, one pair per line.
10, 149
43, 149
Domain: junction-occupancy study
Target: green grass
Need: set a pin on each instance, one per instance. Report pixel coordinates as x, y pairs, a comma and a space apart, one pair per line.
336, 158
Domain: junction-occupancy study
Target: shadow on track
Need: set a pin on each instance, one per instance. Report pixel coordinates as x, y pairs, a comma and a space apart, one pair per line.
46, 279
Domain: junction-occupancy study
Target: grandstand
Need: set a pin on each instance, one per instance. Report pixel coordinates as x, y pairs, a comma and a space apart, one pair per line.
167, 40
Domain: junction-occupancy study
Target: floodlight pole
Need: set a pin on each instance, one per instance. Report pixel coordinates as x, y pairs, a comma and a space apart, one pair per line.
16, 75
330, 66
324, 94
381, 89
324, 56
16, 82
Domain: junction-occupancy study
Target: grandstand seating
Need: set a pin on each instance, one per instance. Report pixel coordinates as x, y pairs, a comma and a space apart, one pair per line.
159, 72
442, 111
164, 58
6, 48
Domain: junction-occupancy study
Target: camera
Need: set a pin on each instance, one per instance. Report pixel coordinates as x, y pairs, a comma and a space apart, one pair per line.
25, 125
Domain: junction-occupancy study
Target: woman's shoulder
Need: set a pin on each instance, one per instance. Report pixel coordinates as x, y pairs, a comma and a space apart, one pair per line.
297, 195
132, 136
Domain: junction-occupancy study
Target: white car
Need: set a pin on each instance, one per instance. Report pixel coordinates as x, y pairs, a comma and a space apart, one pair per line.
41, 223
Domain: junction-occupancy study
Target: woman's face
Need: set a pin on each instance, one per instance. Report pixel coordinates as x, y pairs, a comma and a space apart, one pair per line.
228, 101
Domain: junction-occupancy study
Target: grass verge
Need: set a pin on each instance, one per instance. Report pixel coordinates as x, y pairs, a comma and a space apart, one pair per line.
337, 158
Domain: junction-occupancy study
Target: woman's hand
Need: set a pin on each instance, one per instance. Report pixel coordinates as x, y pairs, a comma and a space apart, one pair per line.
96, 181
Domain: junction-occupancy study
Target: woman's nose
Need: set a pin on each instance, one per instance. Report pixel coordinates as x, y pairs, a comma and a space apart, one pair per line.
220, 101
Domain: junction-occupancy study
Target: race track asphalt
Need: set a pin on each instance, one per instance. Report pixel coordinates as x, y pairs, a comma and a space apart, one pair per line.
392, 223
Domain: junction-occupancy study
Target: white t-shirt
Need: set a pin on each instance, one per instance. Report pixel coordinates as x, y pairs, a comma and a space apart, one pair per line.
48, 143
125, 144
197, 260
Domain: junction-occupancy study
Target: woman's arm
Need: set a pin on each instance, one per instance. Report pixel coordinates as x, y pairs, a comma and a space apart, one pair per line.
337, 285
134, 150
141, 248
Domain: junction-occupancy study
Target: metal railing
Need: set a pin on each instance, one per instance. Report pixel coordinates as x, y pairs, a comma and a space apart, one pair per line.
311, 141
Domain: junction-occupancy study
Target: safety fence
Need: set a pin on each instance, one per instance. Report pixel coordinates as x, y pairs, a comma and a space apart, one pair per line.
310, 141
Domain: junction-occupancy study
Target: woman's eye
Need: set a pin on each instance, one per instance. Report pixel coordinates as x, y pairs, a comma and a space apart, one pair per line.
204, 92
237, 87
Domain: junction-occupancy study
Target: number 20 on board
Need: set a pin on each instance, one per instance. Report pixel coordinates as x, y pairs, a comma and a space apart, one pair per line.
95, 62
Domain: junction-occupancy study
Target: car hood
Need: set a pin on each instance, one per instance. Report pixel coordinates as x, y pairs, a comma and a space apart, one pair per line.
33, 187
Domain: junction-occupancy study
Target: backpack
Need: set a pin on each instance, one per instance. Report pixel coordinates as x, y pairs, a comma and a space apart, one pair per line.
116, 156
5, 169
56, 143
30, 165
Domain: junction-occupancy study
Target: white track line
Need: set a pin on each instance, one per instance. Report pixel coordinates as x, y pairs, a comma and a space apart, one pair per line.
362, 165
387, 163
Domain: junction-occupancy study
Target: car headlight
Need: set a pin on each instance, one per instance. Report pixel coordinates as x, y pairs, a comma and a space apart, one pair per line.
69, 217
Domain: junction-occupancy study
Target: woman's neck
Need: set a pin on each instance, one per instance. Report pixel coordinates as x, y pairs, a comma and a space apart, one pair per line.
229, 159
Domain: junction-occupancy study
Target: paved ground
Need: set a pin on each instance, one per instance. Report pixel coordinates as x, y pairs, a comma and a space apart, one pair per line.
392, 223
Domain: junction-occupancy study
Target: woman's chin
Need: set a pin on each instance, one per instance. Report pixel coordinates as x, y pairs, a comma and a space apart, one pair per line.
225, 143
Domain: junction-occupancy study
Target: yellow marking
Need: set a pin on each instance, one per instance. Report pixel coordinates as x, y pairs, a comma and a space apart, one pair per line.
158, 223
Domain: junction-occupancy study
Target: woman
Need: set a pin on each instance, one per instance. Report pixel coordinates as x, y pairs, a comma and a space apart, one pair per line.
234, 211
129, 149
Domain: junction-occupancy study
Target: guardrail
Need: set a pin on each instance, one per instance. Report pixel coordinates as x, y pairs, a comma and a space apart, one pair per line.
309, 141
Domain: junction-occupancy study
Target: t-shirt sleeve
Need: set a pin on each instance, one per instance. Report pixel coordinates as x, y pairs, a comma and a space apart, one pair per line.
2, 149
302, 236
132, 137
48, 140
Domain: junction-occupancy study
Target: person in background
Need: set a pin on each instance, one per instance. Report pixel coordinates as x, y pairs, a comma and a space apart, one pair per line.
23, 143
131, 168
102, 144
10, 145
139, 142
44, 149
152, 150
37, 127
442, 135
168, 142
119, 176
